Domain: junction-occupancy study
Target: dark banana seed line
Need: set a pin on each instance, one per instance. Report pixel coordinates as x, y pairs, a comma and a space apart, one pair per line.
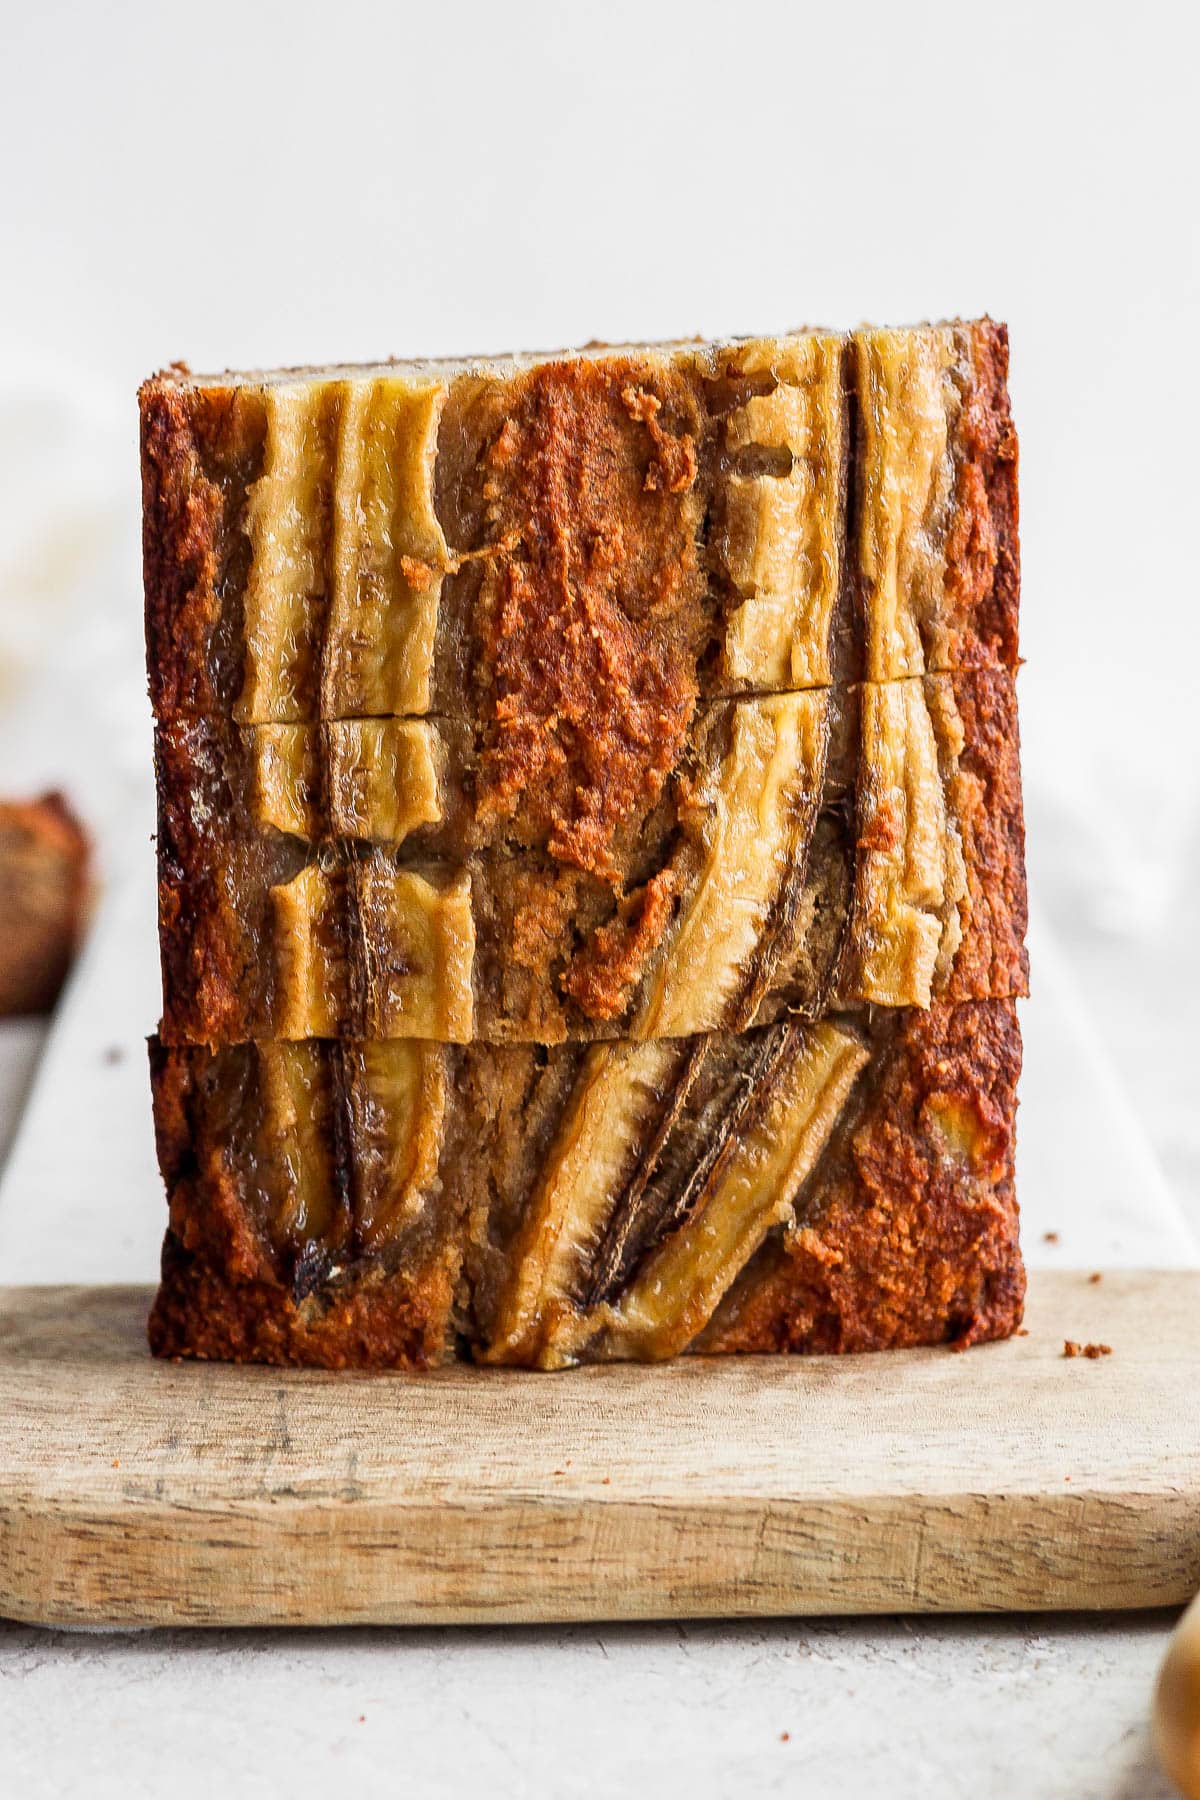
631, 1237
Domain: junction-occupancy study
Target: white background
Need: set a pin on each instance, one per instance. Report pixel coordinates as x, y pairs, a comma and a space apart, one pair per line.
239, 183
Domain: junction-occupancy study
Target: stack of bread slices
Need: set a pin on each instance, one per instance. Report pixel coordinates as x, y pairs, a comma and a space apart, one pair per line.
591, 878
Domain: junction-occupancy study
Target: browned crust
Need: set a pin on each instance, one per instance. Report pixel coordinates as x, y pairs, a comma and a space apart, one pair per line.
200, 1312
983, 558
210, 976
992, 960
601, 975
43, 897
216, 1227
222, 1297
198, 453
181, 521
908, 1226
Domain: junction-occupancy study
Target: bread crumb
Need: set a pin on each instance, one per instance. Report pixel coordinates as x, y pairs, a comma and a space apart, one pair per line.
116, 1462
785, 1737
1022, 1331
1091, 1351
1049, 1237
1097, 1276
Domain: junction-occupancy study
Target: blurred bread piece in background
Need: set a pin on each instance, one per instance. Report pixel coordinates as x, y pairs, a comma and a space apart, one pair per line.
44, 855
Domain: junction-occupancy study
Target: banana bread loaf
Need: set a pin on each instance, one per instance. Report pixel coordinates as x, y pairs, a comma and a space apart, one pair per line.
591, 861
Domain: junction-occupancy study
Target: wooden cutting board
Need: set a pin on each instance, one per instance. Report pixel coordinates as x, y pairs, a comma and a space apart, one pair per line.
135, 1492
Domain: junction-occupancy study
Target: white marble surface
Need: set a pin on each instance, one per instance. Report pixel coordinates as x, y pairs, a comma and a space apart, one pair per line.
1004, 1709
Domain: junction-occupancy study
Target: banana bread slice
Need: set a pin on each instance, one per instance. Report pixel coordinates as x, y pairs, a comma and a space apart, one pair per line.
826, 847
569, 551
841, 1185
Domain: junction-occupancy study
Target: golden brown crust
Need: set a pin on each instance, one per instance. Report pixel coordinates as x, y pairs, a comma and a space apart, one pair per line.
204, 947
199, 450
191, 1162
181, 514
201, 1311
907, 1232
986, 798
983, 560
600, 976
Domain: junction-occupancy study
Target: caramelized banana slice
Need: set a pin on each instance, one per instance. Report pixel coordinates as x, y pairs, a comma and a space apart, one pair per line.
387, 551
758, 829
312, 979
909, 880
784, 1124
287, 523
780, 510
377, 780
613, 1107
296, 1143
394, 1097
908, 407
371, 950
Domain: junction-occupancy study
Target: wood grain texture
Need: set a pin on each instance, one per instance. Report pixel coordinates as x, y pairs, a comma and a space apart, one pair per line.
134, 1492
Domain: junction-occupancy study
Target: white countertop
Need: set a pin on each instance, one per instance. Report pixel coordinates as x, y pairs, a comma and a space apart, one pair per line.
1018, 1709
